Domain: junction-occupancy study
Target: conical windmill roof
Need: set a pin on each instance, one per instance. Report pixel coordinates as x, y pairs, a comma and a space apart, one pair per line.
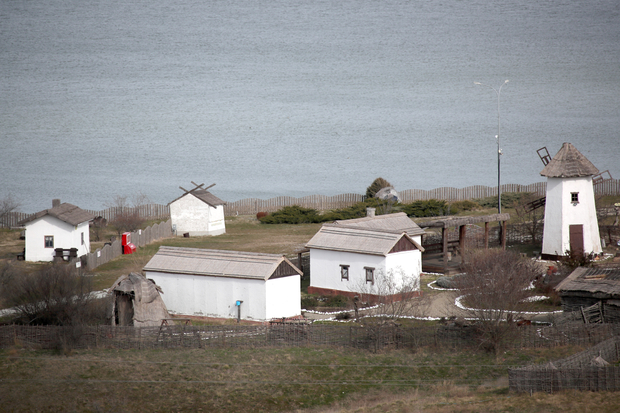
569, 163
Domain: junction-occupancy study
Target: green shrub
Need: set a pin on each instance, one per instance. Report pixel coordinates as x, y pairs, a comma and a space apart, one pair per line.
292, 215
460, 206
426, 208
509, 199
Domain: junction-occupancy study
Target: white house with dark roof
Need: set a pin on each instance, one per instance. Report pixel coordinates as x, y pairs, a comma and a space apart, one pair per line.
570, 211
62, 226
211, 283
198, 212
349, 257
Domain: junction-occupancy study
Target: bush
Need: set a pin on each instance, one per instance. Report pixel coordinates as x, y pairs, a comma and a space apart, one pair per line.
292, 215
56, 294
426, 208
460, 206
509, 200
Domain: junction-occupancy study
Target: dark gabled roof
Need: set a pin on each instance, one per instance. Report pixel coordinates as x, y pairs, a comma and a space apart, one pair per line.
569, 163
390, 222
604, 282
205, 196
221, 263
65, 212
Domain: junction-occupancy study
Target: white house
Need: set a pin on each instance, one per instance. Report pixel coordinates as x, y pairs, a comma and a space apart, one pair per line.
211, 283
198, 212
570, 211
63, 226
357, 256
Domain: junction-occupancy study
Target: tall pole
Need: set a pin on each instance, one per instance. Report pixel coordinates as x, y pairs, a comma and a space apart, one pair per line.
499, 149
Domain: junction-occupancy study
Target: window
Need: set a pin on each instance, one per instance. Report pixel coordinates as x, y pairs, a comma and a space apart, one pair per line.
574, 197
370, 275
49, 241
344, 272
82, 238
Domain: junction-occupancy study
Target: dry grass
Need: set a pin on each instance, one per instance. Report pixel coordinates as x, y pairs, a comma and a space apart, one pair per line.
277, 380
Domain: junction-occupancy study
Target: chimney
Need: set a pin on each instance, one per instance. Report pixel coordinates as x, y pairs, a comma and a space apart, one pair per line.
370, 212
55, 203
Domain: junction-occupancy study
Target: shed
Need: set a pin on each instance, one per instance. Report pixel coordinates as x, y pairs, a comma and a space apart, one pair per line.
198, 212
62, 228
588, 286
137, 302
212, 283
357, 256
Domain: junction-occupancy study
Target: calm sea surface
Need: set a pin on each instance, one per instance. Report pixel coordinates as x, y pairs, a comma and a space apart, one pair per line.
269, 98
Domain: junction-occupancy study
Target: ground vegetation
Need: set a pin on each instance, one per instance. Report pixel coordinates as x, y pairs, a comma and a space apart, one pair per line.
301, 380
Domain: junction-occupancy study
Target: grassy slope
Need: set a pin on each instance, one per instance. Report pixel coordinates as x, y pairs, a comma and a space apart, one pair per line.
242, 234
273, 380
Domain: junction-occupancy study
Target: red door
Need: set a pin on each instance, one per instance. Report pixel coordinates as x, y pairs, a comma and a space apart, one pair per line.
576, 239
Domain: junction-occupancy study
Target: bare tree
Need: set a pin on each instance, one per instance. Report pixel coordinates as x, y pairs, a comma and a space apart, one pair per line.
56, 294
530, 220
495, 285
8, 204
395, 293
127, 217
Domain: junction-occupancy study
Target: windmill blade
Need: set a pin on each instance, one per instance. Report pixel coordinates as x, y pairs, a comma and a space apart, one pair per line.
604, 176
544, 156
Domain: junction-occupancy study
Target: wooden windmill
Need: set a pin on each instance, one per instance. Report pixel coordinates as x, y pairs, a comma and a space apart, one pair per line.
571, 224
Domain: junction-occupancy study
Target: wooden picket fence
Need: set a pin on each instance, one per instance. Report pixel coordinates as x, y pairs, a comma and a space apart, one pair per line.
139, 238
251, 206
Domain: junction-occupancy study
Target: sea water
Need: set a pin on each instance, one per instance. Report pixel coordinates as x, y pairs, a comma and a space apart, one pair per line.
286, 97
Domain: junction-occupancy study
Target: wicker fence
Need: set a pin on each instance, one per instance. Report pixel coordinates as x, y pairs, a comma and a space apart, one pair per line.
139, 238
349, 335
589, 370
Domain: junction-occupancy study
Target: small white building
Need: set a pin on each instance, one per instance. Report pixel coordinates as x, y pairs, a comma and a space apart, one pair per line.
63, 226
198, 212
210, 283
357, 256
570, 211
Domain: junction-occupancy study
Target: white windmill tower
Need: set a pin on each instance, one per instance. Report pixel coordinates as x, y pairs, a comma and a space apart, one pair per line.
570, 212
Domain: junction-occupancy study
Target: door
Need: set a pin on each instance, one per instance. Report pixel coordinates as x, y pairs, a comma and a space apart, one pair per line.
576, 239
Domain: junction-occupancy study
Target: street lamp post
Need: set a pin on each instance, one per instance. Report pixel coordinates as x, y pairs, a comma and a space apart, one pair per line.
499, 149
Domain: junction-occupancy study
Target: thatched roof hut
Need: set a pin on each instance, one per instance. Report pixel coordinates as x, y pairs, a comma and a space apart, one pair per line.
137, 302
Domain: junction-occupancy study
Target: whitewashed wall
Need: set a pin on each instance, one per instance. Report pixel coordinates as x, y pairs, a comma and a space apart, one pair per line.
325, 268
560, 213
65, 236
216, 296
192, 215
283, 297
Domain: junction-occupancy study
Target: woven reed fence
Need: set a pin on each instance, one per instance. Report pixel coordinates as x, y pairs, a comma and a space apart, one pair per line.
350, 335
139, 238
590, 370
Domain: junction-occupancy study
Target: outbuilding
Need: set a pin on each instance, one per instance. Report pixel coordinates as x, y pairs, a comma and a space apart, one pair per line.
372, 255
62, 229
197, 213
226, 284
137, 302
593, 288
